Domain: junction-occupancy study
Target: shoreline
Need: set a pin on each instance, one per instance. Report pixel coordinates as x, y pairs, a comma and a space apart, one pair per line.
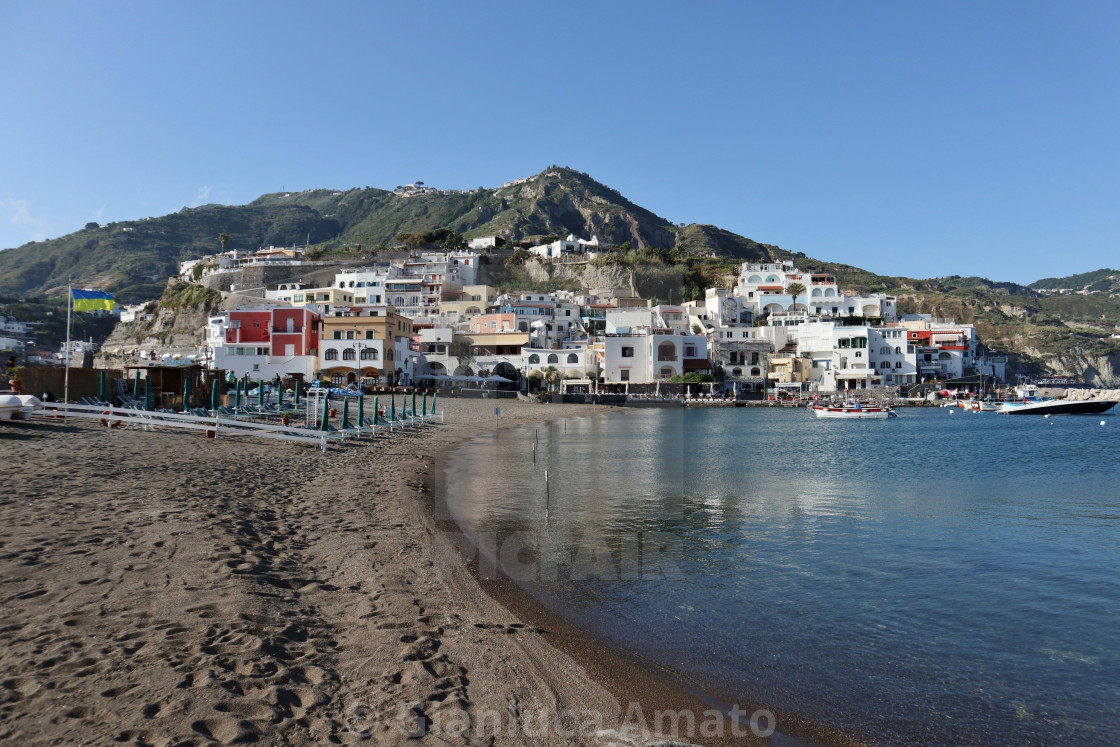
161, 588
627, 676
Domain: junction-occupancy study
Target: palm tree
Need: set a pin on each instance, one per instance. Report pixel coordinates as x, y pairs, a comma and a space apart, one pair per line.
551, 376
224, 238
795, 290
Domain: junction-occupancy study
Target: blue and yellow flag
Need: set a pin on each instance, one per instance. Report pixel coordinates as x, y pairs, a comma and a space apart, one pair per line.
92, 300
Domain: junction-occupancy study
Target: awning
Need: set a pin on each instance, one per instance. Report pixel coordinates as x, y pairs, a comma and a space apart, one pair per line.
697, 364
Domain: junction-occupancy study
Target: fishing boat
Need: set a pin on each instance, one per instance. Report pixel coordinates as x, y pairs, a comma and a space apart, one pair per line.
852, 411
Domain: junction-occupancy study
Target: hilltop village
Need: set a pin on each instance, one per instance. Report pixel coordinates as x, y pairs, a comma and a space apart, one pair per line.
425, 318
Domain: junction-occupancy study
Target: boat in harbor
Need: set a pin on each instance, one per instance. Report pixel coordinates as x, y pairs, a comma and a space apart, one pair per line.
1027, 402
852, 411
1058, 407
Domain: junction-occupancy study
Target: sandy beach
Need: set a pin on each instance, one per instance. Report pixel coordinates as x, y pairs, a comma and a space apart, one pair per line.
161, 588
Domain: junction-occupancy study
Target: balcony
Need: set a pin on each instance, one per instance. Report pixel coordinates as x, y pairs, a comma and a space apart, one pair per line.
286, 331
670, 358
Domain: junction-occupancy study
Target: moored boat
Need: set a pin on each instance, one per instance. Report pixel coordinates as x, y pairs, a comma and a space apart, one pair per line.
1058, 407
1028, 403
852, 411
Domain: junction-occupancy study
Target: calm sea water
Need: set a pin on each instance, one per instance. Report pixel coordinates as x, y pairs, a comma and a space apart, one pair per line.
937, 578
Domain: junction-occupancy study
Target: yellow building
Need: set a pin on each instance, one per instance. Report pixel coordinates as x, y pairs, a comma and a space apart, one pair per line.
468, 301
363, 342
787, 367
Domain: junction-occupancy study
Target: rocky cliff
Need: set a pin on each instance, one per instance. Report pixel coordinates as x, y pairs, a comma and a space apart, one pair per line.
176, 326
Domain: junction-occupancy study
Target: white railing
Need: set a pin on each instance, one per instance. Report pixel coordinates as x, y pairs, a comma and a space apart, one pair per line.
214, 426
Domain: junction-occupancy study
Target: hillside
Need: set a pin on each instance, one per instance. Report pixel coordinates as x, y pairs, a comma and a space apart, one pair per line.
1099, 281
1043, 329
132, 259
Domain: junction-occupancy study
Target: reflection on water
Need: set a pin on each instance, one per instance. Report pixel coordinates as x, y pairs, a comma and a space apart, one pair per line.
947, 573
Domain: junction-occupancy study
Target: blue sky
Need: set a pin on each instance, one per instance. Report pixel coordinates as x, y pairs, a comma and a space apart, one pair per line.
919, 139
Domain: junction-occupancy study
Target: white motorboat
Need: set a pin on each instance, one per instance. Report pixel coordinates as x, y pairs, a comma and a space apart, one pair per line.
1058, 407
1027, 402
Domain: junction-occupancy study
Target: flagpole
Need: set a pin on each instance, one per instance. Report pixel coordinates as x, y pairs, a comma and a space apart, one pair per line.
66, 357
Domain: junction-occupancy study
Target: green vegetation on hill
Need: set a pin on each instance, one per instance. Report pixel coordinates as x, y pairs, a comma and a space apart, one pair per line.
1098, 281
133, 259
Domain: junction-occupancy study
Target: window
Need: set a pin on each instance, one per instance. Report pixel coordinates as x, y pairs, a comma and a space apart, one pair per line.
338, 334
624, 374
369, 354
369, 334
348, 354
289, 350
534, 359
553, 358
573, 358
330, 354
349, 334
297, 298
627, 352
898, 364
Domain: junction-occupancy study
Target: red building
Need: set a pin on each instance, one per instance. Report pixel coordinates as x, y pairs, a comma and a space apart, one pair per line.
268, 341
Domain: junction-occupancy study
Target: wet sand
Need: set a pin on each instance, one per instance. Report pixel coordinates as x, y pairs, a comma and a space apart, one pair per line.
166, 589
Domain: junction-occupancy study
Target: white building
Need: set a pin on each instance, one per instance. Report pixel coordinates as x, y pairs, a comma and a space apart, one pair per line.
766, 287
569, 246
644, 345
482, 243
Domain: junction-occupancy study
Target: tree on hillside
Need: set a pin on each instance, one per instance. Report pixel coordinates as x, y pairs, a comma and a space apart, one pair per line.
795, 290
224, 238
453, 241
